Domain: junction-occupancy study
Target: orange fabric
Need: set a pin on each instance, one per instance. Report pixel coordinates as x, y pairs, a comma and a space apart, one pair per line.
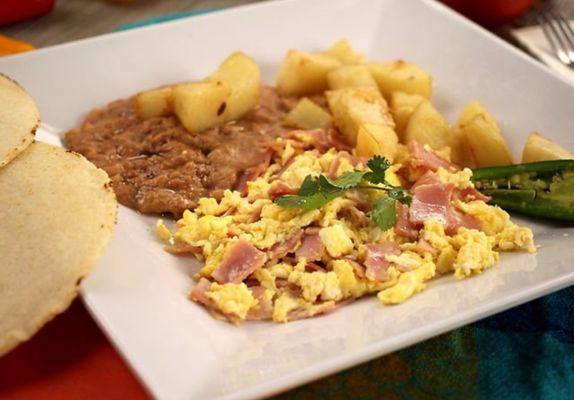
13, 46
69, 358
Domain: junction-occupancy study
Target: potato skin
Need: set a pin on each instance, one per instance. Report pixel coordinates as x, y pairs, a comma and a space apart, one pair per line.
401, 76
353, 107
426, 125
308, 115
304, 73
483, 136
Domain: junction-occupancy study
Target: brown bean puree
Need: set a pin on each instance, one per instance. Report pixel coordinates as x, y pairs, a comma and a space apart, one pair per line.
157, 166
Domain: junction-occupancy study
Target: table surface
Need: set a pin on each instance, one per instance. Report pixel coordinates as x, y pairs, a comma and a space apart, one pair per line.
70, 358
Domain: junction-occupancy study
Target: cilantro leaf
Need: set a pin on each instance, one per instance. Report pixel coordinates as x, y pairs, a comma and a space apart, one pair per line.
378, 166
348, 179
384, 212
313, 193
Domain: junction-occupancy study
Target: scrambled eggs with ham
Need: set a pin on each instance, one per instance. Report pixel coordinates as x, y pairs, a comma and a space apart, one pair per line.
265, 262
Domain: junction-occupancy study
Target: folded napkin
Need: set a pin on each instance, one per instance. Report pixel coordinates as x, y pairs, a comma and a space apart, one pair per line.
533, 39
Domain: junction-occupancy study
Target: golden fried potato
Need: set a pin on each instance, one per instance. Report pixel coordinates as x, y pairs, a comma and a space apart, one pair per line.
343, 52
307, 115
155, 103
539, 148
304, 73
373, 139
350, 76
483, 136
201, 105
242, 75
426, 125
401, 76
402, 107
353, 107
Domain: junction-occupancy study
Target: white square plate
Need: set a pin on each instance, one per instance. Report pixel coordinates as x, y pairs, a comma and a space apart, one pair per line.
138, 293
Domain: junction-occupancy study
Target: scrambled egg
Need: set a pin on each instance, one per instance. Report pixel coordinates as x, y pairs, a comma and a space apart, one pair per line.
295, 288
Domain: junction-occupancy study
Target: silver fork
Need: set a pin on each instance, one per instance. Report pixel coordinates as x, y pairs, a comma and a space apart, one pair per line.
559, 34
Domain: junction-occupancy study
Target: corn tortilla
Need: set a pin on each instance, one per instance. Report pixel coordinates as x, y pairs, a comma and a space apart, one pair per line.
19, 119
58, 212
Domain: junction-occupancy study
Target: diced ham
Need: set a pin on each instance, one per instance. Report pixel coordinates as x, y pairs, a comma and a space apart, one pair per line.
403, 226
286, 246
313, 267
312, 230
430, 202
332, 172
183, 249
358, 268
280, 188
428, 178
284, 168
264, 309
253, 173
457, 219
425, 247
239, 262
198, 295
311, 248
358, 217
424, 157
198, 292
375, 259
470, 193
301, 313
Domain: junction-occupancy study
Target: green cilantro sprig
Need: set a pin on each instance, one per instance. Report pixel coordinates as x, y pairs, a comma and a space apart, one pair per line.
315, 192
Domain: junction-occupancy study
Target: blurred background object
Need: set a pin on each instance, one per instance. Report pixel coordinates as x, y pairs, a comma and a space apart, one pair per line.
12, 11
491, 13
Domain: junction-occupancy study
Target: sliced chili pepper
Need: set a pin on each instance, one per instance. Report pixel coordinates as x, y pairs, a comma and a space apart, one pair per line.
542, 189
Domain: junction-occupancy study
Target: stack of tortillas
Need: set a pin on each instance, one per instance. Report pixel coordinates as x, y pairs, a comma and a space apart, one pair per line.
57, 213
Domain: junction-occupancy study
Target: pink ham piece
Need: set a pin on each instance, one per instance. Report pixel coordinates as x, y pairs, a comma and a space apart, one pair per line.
280, 188
264, 309
301, 313
253, 173
425, 247
403, 226
356, 216
358, 268
375, 259
470, 193
239, 262
198, 292
424, 157
285, 247
456, 219
428, 178
312, 267
311, 248
430, 202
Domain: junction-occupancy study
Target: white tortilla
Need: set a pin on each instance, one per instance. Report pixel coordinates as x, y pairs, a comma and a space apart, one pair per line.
57, 213
19, 119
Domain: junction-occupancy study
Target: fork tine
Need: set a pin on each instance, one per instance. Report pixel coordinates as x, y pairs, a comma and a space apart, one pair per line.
568, 33
560, 44
544, 23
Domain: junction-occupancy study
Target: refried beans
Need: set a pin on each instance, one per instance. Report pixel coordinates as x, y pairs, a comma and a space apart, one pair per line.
157, 166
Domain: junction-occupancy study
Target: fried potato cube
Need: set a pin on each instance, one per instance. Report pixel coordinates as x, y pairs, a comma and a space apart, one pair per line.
353, 107
402, 107
401, 76
427, 126
304, 73
343, 52
461, 153
308, 115
350, 76
539, 148
373, 139
242, 75
154, 103
201, 105
483, 135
